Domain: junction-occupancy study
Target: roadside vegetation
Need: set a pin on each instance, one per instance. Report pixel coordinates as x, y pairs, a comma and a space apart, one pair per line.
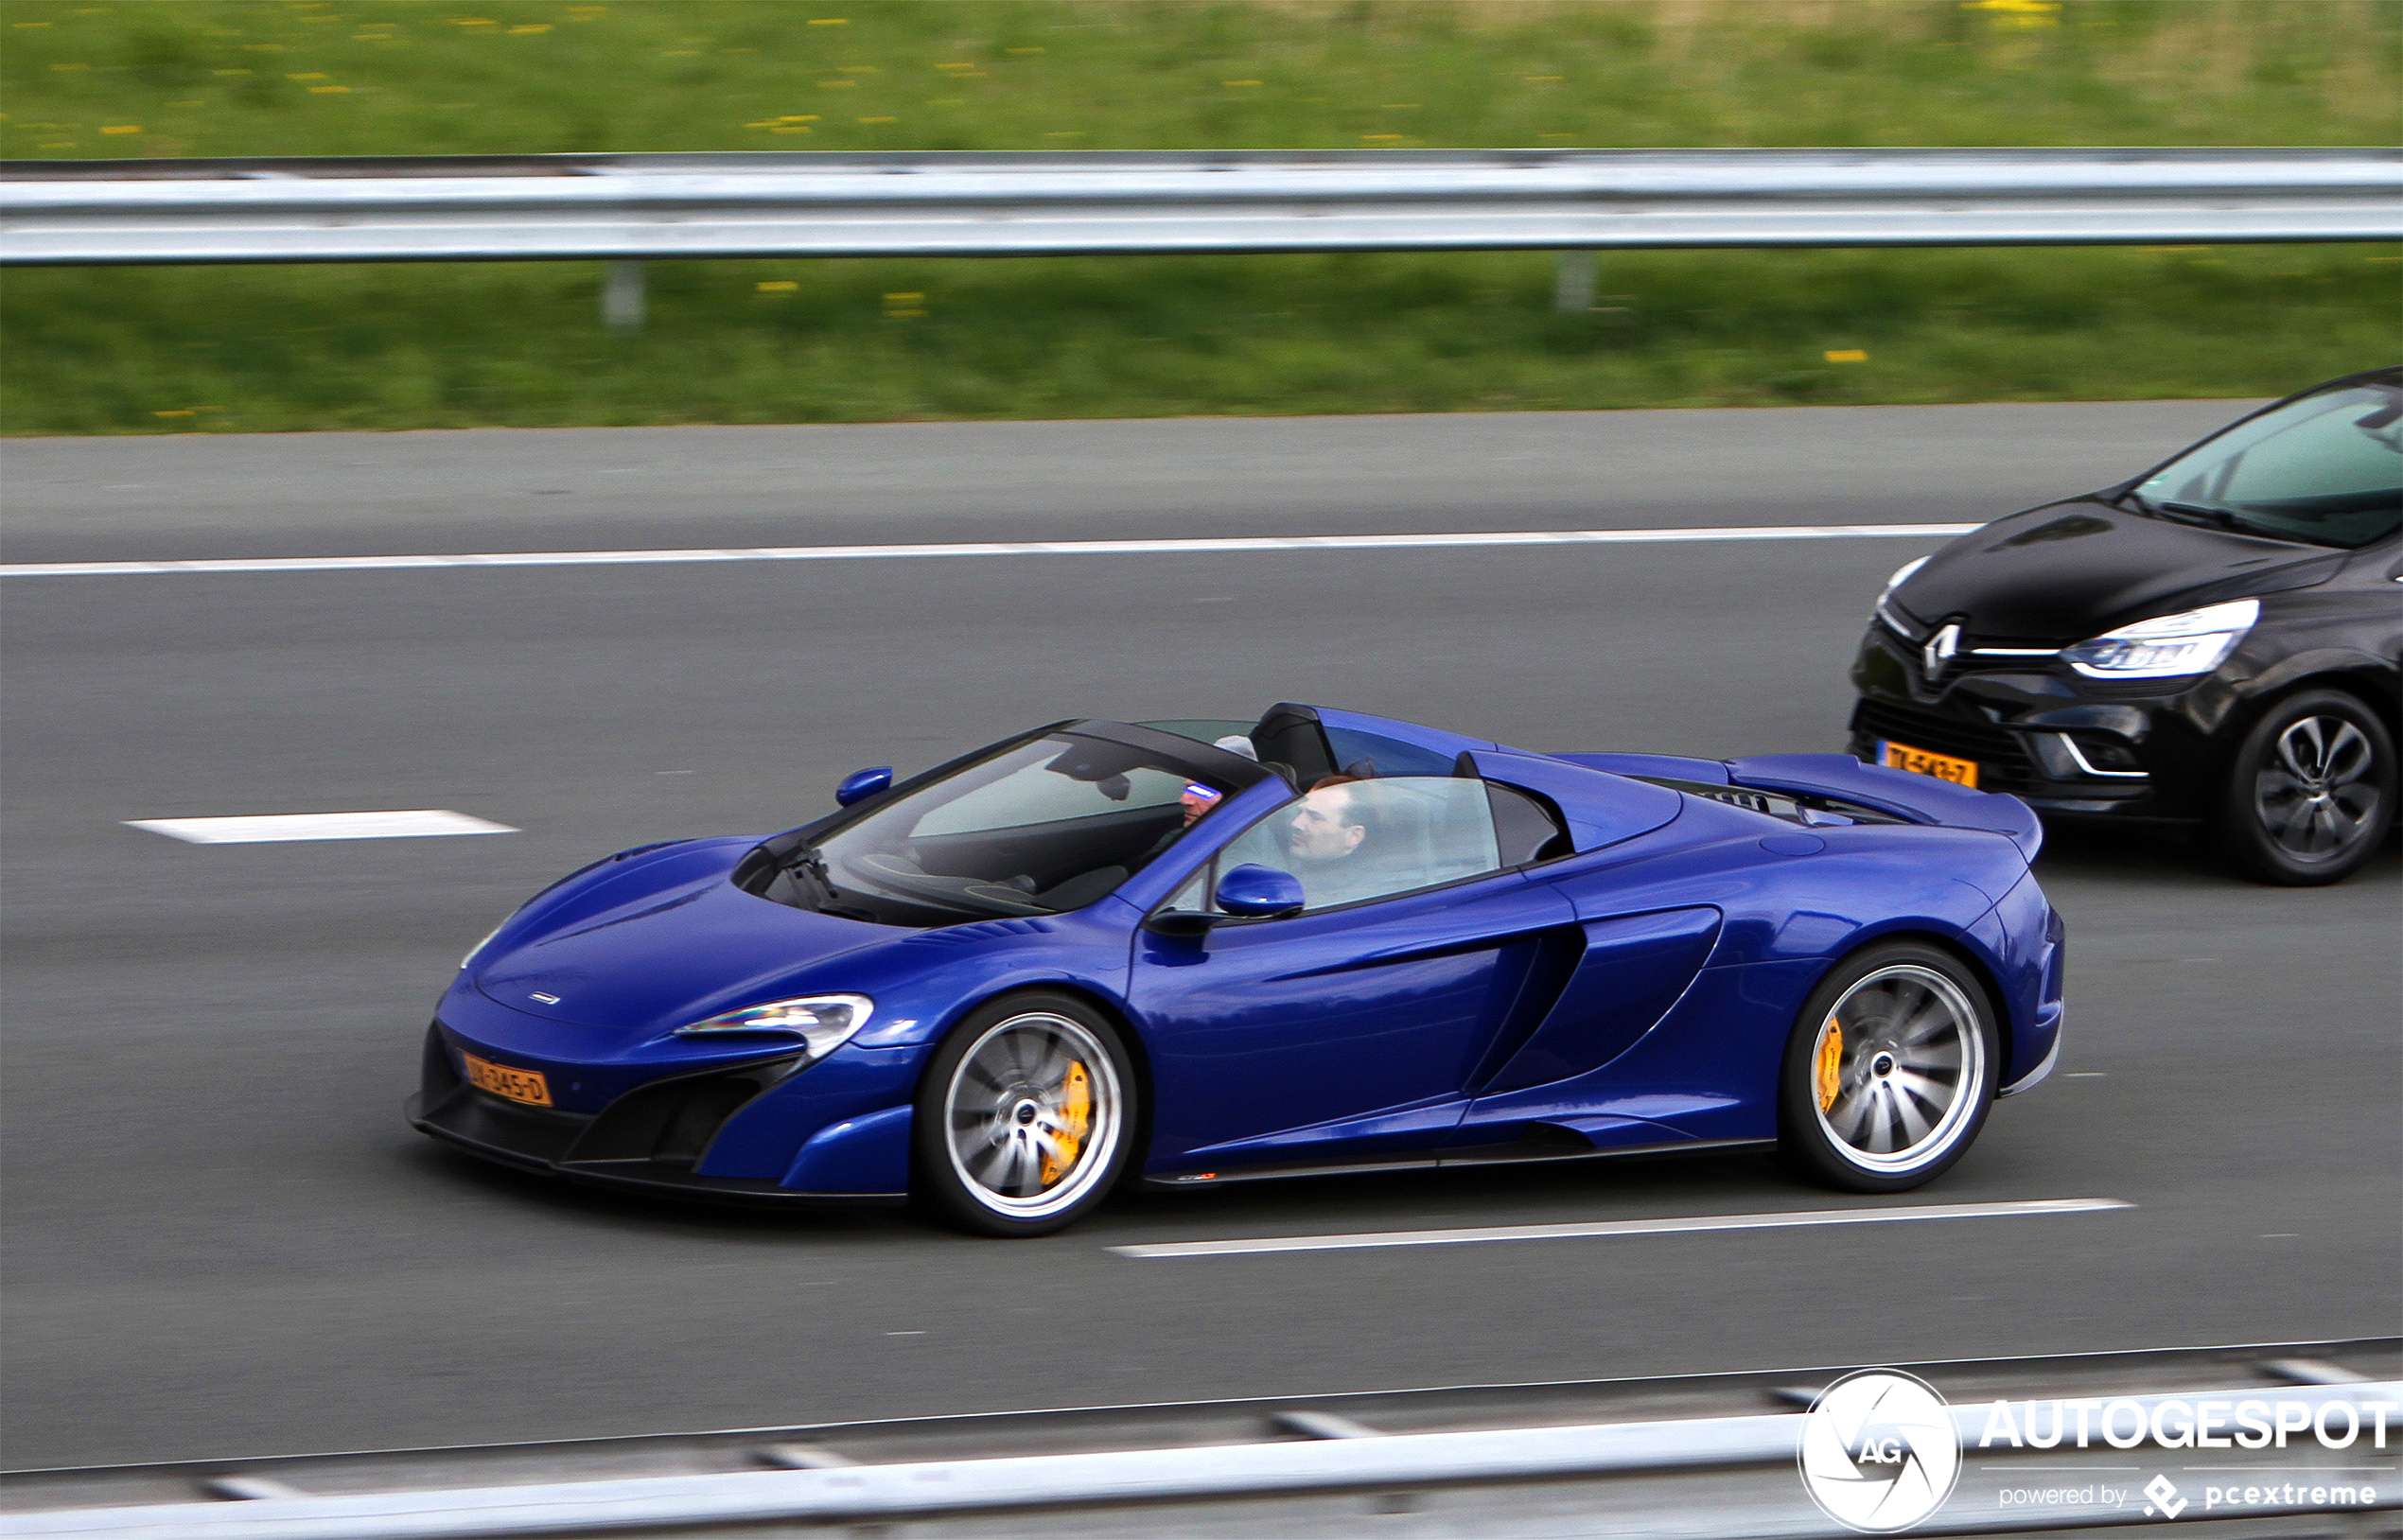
118, 350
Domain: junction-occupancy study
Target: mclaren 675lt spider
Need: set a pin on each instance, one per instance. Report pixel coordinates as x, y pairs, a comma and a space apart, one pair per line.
1189, 952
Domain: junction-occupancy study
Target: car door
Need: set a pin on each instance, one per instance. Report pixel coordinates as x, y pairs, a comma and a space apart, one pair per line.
1354, 1028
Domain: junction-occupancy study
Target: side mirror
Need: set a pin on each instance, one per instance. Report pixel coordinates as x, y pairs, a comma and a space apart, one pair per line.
1254, 892
861, 784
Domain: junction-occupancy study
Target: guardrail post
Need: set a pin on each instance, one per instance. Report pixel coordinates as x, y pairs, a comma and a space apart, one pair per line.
1572, 285
621, 295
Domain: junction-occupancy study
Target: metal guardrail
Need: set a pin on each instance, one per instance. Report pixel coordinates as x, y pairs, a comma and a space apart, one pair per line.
1735, 1472
980, 204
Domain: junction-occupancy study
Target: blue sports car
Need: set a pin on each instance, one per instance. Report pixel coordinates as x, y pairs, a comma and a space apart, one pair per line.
1198, 952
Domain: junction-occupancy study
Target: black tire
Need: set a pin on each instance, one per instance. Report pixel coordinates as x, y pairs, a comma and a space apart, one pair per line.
1886, 1074
2311, 790
999, 1144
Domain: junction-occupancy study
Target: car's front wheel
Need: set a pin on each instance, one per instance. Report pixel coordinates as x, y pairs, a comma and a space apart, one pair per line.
2311, 793
1890, 1069
1025, 1119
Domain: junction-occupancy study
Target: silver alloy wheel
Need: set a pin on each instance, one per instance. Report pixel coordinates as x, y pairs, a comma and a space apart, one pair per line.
2315, 796
1899, 1066
1034, 1109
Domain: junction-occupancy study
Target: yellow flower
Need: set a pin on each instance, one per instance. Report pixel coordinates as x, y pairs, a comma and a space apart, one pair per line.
830, 21
778, 285
123, 128
537, 26
1847, 355
2019, 13
1238, 83
314, 74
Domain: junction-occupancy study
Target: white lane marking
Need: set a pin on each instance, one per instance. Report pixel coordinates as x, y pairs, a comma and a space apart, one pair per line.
416, 824
1620, 1227
999, 547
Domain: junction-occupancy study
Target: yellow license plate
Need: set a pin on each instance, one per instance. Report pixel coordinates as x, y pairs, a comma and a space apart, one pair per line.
527, 1086
1919, 762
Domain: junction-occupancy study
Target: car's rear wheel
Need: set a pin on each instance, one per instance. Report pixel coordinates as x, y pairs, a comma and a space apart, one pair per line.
1024, 1118
2311, 793
1890, 1069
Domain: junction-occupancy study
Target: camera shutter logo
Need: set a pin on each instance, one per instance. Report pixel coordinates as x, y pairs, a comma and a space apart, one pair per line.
1879, 1451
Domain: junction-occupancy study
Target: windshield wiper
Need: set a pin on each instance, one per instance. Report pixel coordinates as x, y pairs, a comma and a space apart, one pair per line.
2216, 518
808, 863
2183, 512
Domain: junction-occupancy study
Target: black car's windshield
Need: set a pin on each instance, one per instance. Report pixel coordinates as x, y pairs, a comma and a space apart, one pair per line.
1039, 826
2327, 468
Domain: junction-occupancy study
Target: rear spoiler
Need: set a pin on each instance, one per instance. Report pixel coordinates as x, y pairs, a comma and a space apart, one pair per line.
1921, 799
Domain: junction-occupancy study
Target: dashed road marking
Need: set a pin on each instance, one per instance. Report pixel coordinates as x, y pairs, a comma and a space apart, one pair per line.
1621, 1227
418, 823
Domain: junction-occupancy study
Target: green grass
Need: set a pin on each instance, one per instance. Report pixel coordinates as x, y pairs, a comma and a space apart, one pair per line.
109, 350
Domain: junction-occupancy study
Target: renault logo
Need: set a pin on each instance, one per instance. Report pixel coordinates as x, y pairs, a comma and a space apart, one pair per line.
1941, 648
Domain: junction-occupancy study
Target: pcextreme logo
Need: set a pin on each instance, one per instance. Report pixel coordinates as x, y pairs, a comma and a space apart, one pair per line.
1879, 1451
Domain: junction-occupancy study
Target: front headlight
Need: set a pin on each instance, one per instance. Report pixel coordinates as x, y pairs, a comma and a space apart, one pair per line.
1901, 575
2194, 641
824, 1022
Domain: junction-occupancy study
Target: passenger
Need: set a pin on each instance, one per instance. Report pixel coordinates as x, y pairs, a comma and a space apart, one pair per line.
1332, 840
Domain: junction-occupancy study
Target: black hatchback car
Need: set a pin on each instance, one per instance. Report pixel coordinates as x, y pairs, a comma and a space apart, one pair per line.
2213, 642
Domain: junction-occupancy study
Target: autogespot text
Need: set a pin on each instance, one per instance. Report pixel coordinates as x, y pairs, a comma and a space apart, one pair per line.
2172, 1422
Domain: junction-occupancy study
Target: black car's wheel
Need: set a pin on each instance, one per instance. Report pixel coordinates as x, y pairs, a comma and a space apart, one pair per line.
1890, 1070
2312, 792
1026, 1118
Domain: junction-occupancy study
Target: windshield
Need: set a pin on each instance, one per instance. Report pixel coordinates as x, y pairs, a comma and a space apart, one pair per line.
1037, 827
2327, 468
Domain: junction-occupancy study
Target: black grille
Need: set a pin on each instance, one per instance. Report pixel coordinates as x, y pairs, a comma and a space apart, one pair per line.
2002, 762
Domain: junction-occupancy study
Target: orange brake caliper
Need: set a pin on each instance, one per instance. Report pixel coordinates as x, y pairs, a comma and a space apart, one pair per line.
1831, 1060
1076, 1121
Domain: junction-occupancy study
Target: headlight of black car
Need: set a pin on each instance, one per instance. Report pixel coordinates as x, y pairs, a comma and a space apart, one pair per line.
2168, 646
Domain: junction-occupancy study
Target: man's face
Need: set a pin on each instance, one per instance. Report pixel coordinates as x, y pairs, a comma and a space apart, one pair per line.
1323, 828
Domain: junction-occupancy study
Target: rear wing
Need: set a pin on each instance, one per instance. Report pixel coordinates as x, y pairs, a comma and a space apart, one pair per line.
1840, 778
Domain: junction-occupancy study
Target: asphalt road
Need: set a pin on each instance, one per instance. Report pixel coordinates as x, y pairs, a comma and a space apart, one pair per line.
220, 1238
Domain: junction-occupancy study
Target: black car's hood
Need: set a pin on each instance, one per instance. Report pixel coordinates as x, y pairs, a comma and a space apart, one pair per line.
2063, 574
